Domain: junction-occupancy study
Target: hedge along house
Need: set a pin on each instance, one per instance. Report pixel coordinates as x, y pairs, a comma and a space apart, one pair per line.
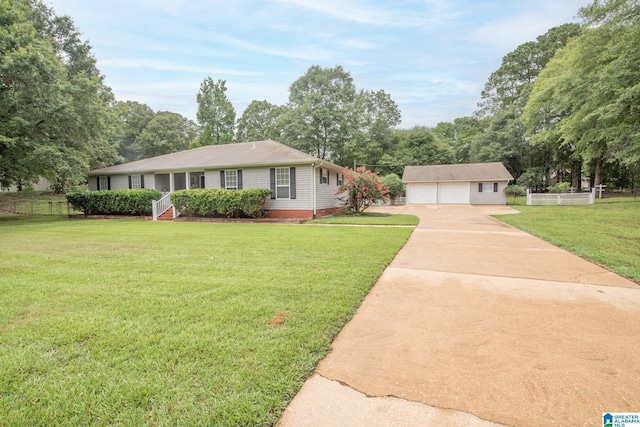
474, 183
302, 186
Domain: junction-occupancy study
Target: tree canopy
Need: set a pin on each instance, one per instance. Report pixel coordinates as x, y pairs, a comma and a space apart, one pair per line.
54, 106
328, 118
216, 114
585, 102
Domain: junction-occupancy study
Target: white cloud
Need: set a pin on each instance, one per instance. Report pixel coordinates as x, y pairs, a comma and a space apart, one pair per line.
342, 9
307, 52
171, 66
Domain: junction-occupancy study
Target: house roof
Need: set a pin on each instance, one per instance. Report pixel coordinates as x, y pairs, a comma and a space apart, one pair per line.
458, 172
243, 154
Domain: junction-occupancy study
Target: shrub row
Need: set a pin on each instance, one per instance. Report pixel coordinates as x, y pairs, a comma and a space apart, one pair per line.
220, 202
114, 202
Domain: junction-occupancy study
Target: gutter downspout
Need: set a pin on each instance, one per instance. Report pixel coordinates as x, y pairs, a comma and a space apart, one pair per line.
313, 188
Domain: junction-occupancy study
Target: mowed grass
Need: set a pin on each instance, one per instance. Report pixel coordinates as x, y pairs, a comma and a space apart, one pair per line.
369, 218
607, 233
121, 322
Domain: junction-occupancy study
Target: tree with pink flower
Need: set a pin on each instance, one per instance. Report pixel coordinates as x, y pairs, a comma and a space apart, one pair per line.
360, 189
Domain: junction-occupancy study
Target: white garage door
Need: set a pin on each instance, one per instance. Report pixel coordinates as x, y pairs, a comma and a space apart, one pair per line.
421, 193
453, 193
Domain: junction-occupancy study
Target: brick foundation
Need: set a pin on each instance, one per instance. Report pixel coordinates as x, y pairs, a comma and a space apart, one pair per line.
308, 214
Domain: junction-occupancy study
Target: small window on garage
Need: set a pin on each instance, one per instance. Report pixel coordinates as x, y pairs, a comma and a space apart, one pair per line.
487, 187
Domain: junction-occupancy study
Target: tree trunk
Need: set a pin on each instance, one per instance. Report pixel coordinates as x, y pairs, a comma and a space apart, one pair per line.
598, 176
576, 175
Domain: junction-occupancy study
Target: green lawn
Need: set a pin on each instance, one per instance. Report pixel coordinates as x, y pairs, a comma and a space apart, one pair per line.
128, 322
369, 218
607, 232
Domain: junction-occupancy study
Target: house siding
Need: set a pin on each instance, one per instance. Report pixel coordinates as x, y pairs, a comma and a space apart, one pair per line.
488, 198
150, 181
326, 193
303, 200
260, 178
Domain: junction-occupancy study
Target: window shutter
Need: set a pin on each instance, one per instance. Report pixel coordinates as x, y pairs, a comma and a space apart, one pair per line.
495, 187
479, 187
292, 183
320, 175
222, 179
108, 183
129, 181
239, 179
98, 183
141, 181
272, 173
337, 179
328, 175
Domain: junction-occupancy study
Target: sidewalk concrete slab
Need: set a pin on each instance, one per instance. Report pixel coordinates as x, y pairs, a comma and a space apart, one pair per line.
475, 318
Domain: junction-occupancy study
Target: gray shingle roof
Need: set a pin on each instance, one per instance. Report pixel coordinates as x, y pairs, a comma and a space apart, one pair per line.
244, 154
458, 172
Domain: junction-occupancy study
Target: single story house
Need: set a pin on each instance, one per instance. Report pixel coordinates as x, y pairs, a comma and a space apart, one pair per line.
474, 183
302, 186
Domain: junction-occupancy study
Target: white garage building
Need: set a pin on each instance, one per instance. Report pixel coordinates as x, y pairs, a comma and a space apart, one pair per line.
473, 183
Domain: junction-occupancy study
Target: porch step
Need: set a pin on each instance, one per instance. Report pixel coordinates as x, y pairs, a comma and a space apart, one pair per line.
167, 215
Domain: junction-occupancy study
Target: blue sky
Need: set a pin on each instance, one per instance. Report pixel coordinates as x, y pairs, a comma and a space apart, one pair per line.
432, 56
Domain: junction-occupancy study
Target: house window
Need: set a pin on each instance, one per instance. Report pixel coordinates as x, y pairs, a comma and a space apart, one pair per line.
231, 179
103, 183
324, 179
136, 181
339, 179
282, 183
196, 180
487, 187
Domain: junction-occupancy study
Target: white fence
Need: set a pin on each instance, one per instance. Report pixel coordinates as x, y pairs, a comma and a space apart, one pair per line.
561, 199
161, 206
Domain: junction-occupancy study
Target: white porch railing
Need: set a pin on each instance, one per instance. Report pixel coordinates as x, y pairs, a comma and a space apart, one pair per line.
158, 207
550, 199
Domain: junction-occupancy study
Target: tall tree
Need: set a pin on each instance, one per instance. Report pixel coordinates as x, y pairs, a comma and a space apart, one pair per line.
259, 121
216, 114
166, 133
330, 119
460, 135
585, 101
520, 68
504, 97
131, 119
379, 115
53, 101
321, 119
418, 146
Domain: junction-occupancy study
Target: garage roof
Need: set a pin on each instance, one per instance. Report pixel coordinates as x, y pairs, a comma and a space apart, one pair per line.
458, 172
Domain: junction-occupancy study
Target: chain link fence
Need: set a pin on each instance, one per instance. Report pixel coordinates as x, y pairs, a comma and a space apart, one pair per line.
36, 206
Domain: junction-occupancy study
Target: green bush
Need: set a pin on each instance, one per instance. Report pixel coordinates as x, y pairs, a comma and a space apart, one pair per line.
114, 202
395, 185
562, 187
220, 202
515, 190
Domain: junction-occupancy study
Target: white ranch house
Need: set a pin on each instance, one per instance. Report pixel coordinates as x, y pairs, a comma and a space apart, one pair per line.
474, 184
302, 186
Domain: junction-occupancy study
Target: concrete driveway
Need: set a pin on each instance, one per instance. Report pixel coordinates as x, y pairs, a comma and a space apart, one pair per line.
476, 323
